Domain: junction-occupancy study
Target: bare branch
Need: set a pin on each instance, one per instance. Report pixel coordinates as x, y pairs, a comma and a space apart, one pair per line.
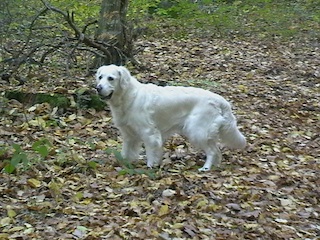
105, 49
79, 34
88, 24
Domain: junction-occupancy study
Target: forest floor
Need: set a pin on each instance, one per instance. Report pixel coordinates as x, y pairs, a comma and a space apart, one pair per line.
70, 188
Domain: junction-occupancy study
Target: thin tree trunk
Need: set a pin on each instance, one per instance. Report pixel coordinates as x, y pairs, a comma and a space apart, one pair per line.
112, 31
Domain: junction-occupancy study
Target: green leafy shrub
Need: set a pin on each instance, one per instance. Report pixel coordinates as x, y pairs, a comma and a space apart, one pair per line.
19, 156
42, 147
41, 150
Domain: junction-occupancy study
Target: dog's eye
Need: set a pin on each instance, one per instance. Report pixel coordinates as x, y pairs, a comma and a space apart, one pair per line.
100, 77
110, 78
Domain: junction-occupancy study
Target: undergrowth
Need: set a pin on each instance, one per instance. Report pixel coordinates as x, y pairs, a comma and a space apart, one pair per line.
128, 167
260, 18
20, 159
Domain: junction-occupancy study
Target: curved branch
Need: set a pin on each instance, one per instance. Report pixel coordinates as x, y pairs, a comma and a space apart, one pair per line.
80, 34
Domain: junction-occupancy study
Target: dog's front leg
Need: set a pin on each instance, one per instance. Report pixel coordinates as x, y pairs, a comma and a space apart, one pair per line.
130, 148
153, 144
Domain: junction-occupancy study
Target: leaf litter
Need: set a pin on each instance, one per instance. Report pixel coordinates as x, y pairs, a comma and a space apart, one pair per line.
269, 191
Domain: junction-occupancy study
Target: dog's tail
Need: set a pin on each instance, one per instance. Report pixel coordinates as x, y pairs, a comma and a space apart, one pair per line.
230, 135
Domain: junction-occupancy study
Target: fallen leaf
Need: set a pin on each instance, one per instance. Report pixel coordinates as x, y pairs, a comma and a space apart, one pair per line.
5, 221
35, 183
251, 215
80, 232
168, 193
164, 209
11, 213
280, 220
234, 206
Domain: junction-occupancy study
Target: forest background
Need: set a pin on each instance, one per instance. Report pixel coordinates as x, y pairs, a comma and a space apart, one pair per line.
61, 173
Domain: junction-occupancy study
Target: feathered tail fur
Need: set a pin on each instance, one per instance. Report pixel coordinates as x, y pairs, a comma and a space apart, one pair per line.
230, 135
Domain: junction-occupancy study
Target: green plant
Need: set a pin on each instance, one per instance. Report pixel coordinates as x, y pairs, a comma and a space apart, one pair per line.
19, 156
85, 98
128, 167
41, 148
92, 165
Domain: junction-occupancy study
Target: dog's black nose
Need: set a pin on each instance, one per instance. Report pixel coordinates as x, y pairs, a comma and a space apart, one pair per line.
99, 88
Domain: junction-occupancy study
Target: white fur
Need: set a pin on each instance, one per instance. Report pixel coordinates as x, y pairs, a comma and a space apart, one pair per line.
149, 114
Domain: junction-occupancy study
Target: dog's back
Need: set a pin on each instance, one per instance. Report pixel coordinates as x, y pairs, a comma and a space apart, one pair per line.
194, 112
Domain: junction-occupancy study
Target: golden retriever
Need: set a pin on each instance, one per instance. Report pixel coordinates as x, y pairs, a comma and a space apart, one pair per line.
149, 114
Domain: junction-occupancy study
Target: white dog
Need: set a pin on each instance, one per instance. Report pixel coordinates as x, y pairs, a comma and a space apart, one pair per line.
150, 114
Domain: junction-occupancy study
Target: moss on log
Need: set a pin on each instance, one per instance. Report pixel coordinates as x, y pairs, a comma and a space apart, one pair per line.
83, 99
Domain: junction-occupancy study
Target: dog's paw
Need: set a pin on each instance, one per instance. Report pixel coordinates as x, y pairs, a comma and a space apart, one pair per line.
151, 165
204, 169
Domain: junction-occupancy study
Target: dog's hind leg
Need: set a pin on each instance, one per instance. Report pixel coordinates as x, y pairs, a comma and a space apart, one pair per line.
213, 157
206, 140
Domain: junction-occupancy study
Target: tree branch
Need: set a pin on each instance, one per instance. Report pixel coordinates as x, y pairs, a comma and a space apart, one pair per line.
80, 34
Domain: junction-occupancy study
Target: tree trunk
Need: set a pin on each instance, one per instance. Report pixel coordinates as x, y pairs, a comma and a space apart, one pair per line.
112, 32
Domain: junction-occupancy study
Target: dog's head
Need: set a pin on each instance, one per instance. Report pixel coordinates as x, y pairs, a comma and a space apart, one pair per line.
111, 80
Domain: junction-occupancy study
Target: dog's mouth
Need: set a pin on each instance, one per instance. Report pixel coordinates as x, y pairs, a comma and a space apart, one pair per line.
108, 96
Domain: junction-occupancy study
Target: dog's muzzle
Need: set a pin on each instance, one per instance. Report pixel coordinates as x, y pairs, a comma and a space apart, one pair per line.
99, 90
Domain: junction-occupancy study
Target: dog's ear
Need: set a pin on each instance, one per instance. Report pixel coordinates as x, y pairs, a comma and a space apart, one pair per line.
124, 76
98, 72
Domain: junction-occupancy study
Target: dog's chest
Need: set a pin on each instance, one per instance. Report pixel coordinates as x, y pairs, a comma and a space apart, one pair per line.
128, 118
119, 117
